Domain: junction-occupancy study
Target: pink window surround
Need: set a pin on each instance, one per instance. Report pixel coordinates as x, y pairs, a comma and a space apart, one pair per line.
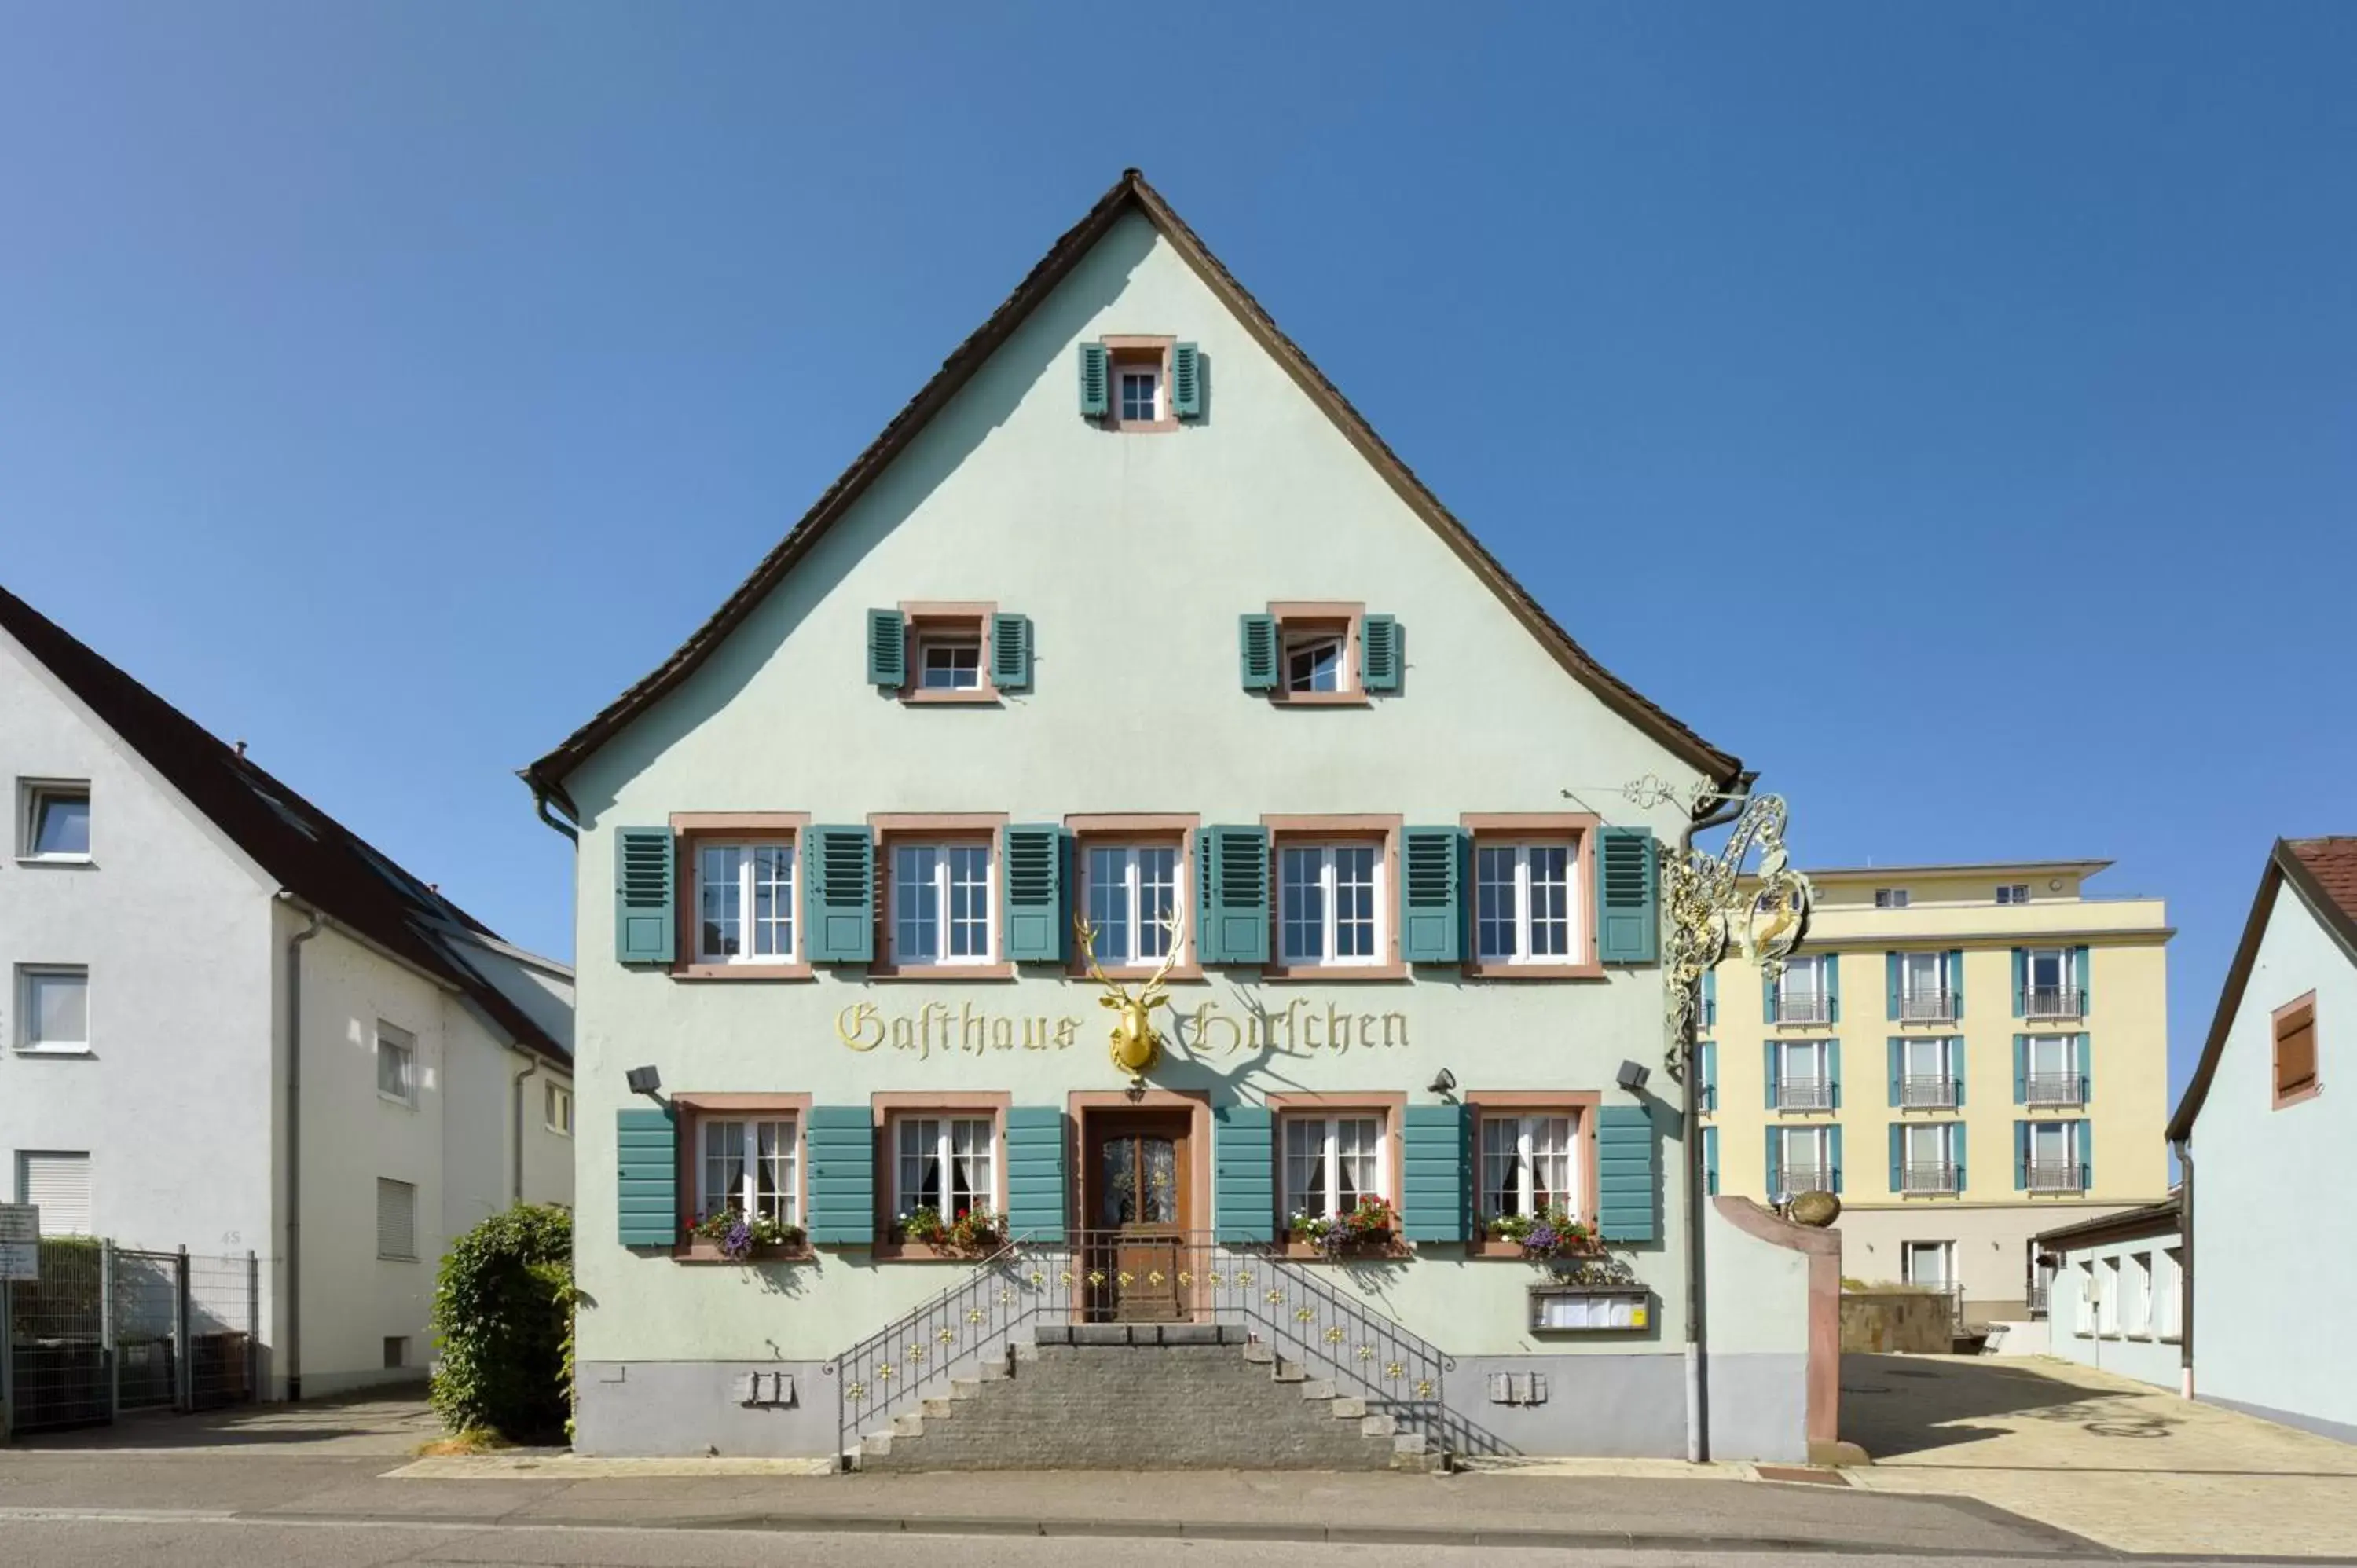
1295, 617
1161, 830
1578, 1103
888, 1107
1365, 829
688, 829
690, 1112
1392, 1107
1132, 350
952, 618
1580, 828
939, 827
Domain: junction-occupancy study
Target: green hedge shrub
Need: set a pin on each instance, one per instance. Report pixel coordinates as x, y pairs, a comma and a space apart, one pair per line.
502, 1316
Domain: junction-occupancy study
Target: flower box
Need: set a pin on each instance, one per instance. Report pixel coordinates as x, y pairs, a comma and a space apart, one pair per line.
726, 1236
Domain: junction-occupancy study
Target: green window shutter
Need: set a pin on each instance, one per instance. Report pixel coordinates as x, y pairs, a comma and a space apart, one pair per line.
1710, 998
1957, 1051
1898, 1156
1627, 912
1773, 1143
645, 926
2020, 980
1096, 382
1897, 1052
1010, 653
2021, 1069
1627, 1174
1956, 1149
647, 1144
841, 866
1232, 894
1256, 652
2083, 1048
888, 649
1956, 981
1436, 1185
1710, 1161
1833, 987
1035, 1171
2021, 1156
1833, 1141
839, 1145
1890, 986
1768, 1071
1833, 1070
2084, 965
1766, 996
1243, 1172
1035, 894
2087, 1154
1708, 1051
1379, 654
1186, 380
1432, 904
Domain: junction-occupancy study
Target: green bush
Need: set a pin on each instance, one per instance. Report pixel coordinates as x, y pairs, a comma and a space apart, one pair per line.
502, 1322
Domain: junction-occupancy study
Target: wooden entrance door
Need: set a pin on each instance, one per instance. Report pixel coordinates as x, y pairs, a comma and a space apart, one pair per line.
1139, 1209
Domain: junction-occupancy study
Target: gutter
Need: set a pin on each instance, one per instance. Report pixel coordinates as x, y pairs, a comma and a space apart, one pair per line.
531, 1066
1697, 1340
294, 1154
2185, 1275
540, 798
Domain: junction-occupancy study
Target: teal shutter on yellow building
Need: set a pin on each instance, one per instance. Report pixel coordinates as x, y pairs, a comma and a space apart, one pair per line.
1628, 911
1010, 653
1035, 1173
2020, 981
2086, 1154
1710, 1161
1768, 1063
1896, 1050
2083, 1047
1256, 652
1833, 1070
1956, 982
839, 1146
1766, 996
1437, 1189
1186, 380
1833, 987
1432, 909
2020, 1156
1379, 654
2021, 1069
645, 924
1243, 1172
1956, 1066
1898, 1156
1890, 986
647, 1144
1834, 1138
2083, 968
1232, 894
1096, 382
1956, 1148
888, 649
841, 867
1035, 894
1706, 1052
1627, 1159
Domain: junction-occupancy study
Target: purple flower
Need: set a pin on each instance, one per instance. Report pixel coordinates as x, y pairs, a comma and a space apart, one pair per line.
738, 1241
1542, 1237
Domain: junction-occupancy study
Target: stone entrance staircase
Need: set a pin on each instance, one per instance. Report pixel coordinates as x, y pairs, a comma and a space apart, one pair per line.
1139, 1397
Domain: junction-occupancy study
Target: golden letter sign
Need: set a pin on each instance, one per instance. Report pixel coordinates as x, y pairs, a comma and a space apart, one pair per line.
1205, 1032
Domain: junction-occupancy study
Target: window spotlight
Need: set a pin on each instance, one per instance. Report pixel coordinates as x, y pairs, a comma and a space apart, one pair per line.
1632, 1075
644, 1080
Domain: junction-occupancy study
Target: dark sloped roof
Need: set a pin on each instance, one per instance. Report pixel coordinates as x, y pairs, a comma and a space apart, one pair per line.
2152, 1220
2323, 873
1131, 192
311, 855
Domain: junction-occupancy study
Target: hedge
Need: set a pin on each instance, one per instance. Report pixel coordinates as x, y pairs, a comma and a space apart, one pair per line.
503, 1317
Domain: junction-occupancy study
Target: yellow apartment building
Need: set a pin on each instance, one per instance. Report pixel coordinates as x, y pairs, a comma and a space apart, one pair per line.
1965, 1054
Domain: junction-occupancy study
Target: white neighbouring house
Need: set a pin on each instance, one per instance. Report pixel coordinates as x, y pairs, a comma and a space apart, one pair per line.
225, 1012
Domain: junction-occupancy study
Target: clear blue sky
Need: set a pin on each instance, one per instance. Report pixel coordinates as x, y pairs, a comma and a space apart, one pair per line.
391, 385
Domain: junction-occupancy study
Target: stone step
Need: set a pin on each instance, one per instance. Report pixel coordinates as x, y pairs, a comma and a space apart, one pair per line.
1377, 1425
965, 1388
996, 1370
852, 1456
938, 1406
1408, 1443
1261, 1355
1318, 1389
907, 1426
875, 1443
1289, 1371
1347, 1408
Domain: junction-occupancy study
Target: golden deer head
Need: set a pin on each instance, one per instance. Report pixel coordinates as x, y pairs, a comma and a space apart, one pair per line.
1135, 1043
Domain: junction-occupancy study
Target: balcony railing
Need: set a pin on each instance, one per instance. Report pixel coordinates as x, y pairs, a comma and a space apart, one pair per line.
1805, 1009
2064, 1175
1791, 1180
2054, 1002
2056, 1088
1928, 1007
1919, 1091
1804, 1094
2038, 1299
1937, 1176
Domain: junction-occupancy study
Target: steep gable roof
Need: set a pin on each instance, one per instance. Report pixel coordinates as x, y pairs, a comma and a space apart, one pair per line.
302, 848
1129, 193
2322, 872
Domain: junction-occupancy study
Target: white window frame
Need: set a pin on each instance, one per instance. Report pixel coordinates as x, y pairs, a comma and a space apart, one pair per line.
33, 795
557, 1109
2167, 1297
782, 1131
29, 977
2071, 1153
749, 883
2084, 1325
2107, 1306
1519, 888
395, 1043
942, 886
2013, 893
1123, 370
1130, 898
410, 1256
1291, 643
1890, 897
1819, 993
1329, 1126
1946, 1252
944, 1123
951, 643
1942, 1138
1330, 922
1527, 1127
2136, 1291
1943, 1055
1817, 1134
1822, 1074
1909, 990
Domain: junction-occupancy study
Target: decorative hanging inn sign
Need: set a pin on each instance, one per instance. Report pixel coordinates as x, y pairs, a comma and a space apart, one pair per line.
1206, 1031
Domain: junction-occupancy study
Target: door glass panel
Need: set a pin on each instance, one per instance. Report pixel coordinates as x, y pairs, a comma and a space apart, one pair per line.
1118, 1181
1160, 1163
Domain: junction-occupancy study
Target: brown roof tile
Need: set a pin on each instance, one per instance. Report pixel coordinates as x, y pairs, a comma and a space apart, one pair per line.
2332, 862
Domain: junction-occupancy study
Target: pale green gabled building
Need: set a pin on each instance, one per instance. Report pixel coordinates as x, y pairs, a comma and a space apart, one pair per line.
1128, 615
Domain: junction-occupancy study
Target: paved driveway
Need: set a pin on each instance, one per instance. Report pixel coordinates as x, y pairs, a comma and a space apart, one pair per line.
2122, 1461
317, 1428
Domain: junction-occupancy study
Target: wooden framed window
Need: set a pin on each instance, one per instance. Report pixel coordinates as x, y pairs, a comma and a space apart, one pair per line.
1319, 647
740, 897
940, 918
1335, 906
1141, 384
1332, 1151
741, 1154
2294, 1052
944, 1152
1533, 892
1135, 873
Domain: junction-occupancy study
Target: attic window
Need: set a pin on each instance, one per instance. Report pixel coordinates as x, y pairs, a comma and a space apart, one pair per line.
1140, 382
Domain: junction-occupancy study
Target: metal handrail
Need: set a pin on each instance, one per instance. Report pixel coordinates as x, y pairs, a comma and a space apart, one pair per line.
2055, 1088
1918, 1090
1936, 1175
2053, 1002
1928, 1007
1805, 1009
2067, 1175
1804, 1094
1792, 1179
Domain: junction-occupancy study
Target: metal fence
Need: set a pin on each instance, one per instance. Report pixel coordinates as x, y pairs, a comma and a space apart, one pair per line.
110, 1329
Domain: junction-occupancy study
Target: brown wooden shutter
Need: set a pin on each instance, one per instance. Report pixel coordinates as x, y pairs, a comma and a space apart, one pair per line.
2295, 1050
